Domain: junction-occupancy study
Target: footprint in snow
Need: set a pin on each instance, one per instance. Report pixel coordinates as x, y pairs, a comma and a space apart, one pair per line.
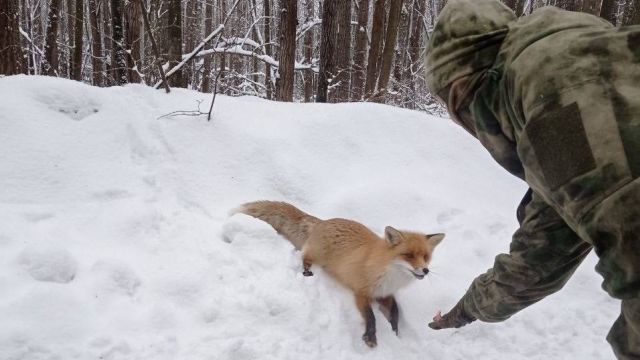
448, 216
49, 265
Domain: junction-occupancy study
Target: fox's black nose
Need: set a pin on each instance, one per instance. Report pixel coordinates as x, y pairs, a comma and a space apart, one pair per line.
425, 271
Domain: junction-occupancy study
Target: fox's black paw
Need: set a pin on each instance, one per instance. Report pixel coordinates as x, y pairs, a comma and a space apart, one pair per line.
307, 273
395, 330
370, 340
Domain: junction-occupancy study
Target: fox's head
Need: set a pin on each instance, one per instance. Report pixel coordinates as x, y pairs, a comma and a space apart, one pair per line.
412, 250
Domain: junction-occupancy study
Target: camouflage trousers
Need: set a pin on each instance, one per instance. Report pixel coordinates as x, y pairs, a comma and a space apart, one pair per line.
624, 336
613, 228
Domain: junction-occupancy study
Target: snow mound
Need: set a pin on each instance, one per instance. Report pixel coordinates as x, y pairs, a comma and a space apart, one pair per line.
115, 241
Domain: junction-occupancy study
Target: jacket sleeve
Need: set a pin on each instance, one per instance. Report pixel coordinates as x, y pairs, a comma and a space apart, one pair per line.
544, 253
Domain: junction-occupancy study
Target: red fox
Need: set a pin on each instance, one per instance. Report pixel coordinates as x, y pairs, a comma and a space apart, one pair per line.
371, 266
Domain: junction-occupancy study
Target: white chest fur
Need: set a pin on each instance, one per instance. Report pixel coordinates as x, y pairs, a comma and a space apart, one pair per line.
395, 277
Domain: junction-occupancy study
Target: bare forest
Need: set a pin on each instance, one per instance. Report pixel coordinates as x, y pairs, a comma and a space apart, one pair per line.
286, 50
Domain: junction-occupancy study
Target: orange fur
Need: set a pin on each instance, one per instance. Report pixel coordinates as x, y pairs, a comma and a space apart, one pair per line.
373, 267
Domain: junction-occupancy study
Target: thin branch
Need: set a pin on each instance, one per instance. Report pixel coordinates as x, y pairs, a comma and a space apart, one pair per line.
191, 55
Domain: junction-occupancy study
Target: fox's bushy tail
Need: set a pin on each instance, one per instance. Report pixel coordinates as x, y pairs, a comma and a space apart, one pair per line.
289, 221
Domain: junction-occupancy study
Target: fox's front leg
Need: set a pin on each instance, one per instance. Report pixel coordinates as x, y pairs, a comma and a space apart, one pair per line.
389, 308
364, 305
306, 265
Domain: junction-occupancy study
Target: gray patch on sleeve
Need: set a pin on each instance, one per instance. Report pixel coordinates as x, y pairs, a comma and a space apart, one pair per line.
560, 144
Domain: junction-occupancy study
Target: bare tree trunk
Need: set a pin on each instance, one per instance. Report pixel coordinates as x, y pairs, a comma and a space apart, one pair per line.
67, 38
96, 45
609, 10
119, 54
511, 3
154, 45
377, 32
134, 41
288, 23
174, 40
327, 49
77, 50
308, 54
632, 13
343, 53
10, 48
107, 41
360, 53
519, 9
192, 38
389, 48
223, 56
415, 42
592, 7
402, 48
51, 45
208, 27
267, 49
570, 5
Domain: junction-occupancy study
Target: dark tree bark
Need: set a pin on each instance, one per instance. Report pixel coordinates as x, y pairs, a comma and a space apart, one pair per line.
632, 13
96, 45
154, 45
77, 50
288, 24
608, 11
518, 5
208, 27
327, 49
415, 41
119, 54
174, 40
51, 44
107, 40
377, 33
267, 48
11, 55
343, 53
68, 31
401, 62
592, 7
308, 54
134, 40
360, 53
389, 48
223, 56
192, 38
570, 5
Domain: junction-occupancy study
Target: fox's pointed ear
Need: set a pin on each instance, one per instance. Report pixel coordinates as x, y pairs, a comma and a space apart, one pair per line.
393, 236
434, 239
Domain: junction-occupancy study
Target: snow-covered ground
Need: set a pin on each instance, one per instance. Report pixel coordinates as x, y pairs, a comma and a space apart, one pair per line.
115, 241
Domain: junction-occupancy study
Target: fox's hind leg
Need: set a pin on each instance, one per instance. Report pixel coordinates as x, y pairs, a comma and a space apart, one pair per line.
389, 308
364, 305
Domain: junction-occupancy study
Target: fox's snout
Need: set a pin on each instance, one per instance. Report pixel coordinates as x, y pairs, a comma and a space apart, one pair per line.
420, 273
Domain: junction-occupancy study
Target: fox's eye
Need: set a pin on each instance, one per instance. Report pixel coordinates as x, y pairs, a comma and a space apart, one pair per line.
409, 256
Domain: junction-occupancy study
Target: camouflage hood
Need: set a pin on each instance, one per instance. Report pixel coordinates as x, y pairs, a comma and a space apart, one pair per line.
465, 40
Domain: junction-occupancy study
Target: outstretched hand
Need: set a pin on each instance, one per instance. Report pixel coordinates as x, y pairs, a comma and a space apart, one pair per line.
455, 318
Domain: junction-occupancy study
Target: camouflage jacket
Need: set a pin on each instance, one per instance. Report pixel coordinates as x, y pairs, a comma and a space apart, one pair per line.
558, 106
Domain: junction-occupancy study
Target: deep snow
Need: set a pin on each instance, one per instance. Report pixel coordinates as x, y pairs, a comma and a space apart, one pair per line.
115, 241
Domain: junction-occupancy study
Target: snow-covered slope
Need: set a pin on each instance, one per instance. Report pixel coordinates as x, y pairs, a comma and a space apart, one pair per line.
115, 241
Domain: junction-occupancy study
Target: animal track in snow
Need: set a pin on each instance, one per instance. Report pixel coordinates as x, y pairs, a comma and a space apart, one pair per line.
49, 265
448, 216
